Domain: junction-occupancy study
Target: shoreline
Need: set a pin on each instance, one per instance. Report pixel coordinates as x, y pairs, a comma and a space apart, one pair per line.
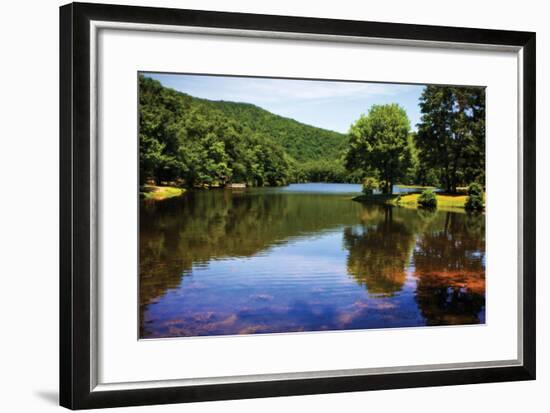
449, 202
452, 202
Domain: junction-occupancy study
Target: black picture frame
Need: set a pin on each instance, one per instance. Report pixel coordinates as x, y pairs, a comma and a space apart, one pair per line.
75, 219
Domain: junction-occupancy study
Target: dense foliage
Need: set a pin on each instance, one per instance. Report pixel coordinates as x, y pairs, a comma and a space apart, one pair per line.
325, 170
451, 136
379, 142
302, 142
183, 139
197, 142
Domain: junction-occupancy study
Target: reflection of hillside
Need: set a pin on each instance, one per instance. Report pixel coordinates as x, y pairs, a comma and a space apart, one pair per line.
449, 265
379, 250
202, 226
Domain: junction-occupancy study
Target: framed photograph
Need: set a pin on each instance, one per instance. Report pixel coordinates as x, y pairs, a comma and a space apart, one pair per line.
257, 206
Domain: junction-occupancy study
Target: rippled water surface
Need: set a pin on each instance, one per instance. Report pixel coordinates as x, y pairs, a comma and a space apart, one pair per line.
304, 258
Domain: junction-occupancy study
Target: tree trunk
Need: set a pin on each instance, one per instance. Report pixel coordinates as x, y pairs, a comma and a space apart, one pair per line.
386, 189
448, 181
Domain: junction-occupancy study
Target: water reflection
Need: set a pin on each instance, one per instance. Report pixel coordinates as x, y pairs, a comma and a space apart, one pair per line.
379, 251
279, 260
449, 261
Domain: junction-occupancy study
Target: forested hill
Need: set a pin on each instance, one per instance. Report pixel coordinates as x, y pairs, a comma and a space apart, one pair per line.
302, 142
203, 143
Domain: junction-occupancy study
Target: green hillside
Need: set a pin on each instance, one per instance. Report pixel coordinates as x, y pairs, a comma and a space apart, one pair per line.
198, 142
302, 142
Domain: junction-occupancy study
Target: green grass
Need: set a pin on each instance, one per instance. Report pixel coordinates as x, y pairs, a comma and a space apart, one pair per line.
159, 193
443, 200
410, 200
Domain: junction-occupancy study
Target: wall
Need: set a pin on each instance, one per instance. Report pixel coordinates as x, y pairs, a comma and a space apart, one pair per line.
29, 204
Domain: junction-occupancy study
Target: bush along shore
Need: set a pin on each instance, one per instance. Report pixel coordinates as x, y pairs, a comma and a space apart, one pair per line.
471, 199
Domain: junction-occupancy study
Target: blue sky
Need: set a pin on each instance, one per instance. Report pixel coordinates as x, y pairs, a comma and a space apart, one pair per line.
329, 105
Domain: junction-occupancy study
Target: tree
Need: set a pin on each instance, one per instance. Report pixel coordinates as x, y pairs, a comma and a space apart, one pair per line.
379, 142
451, 134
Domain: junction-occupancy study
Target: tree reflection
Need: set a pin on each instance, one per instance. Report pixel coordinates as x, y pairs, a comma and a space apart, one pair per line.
388, 249
449, 263
177, 234
379, 251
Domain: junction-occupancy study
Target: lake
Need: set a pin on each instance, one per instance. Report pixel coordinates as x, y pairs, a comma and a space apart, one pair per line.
304, 258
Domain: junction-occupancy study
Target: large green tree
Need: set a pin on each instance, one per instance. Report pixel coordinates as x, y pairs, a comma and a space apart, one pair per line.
379, 142
451, 135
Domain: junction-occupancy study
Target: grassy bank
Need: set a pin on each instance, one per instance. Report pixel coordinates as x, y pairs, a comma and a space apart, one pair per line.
444, 201
159, 193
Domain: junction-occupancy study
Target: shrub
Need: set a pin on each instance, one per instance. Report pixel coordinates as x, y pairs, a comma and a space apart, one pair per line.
474, 203
475, 189
370, 184
427, 199
475, 198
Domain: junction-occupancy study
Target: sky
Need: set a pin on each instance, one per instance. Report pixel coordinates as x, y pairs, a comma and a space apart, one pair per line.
325, 104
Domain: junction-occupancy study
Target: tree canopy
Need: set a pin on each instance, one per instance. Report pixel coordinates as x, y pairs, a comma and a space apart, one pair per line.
379, 143
451, 135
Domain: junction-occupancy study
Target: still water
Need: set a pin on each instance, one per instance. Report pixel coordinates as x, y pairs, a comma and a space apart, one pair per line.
304, 258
